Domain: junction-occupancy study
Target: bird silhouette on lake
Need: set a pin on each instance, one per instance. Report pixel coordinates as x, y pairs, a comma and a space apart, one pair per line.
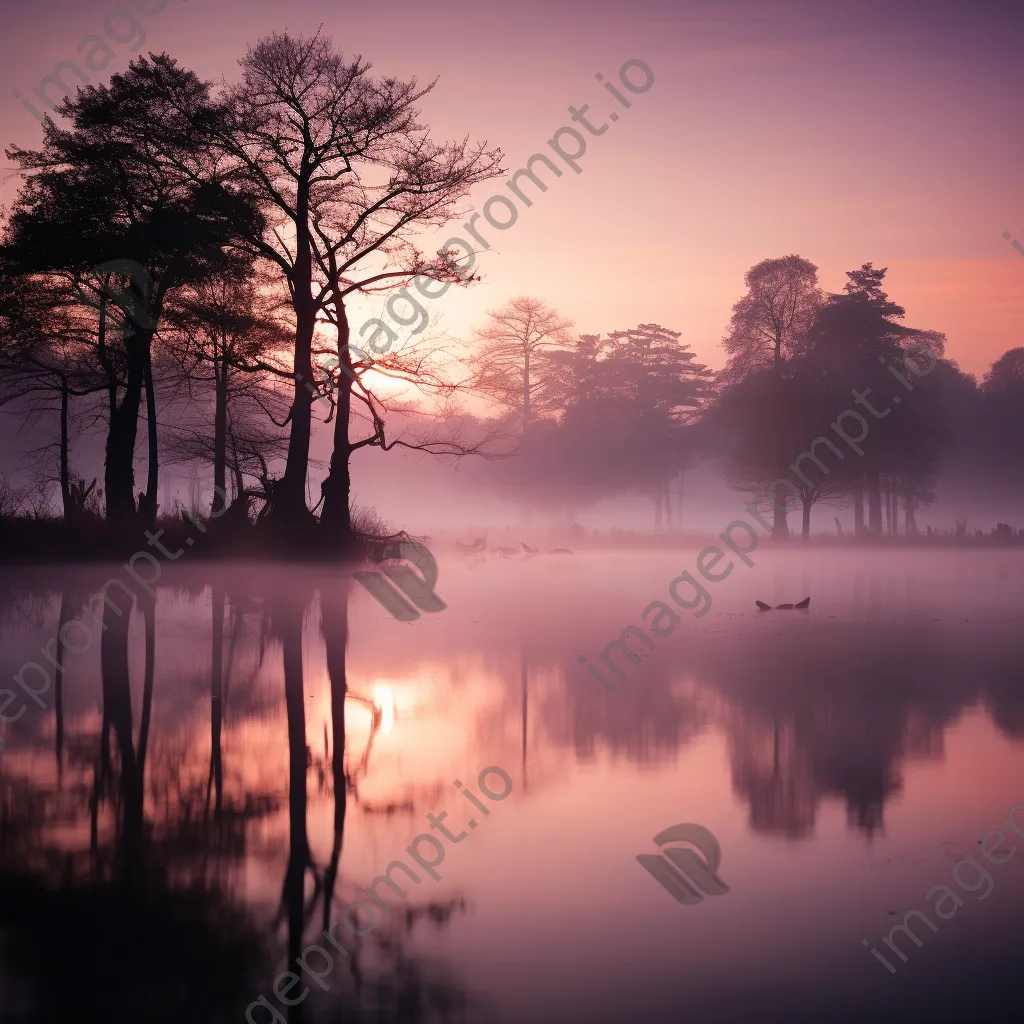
762, 607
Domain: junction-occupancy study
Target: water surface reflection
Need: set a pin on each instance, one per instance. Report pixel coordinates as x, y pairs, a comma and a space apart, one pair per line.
238, 758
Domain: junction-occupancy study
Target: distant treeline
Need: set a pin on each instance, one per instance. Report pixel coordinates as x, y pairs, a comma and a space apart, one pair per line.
633, 411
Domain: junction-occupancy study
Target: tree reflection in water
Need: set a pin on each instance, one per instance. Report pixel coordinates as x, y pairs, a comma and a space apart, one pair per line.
119, 881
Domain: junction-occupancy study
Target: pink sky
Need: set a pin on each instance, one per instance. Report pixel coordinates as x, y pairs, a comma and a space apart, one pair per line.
885, 131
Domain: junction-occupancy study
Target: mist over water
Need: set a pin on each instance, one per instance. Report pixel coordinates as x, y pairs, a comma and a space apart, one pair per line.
844, 758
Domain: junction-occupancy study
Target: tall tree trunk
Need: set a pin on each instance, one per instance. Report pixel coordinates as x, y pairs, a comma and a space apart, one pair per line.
780, 527
220, 436
858, 509
290, 493
874, 503
148, 507
119, 467
336, 515
236, 467
65, 474
908, 498
806, 531
526, 395
290, 496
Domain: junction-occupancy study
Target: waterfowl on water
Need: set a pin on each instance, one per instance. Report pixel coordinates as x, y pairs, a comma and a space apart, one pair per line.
762, 607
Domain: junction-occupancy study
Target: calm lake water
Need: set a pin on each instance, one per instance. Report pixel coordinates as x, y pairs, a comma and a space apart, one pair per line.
212, 785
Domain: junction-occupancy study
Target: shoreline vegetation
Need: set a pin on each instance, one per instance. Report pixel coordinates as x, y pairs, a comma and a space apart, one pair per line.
233, 534
42, 541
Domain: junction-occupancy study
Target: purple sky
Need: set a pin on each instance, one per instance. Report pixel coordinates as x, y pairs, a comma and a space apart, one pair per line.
882, 131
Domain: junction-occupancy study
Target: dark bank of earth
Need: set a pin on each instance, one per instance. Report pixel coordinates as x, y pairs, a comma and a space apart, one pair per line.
38, 541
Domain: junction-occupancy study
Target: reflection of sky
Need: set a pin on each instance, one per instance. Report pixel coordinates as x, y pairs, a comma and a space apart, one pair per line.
843, 760
880, 131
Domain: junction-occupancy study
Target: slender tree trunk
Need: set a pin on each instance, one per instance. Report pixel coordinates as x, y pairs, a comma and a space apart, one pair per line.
806, 531
119, 468
657, 506
336, 515
874, 503
220, 435
290, 494
147, 513
65, 475
236, 468
780, 527
526, 395
908, 498
858, 509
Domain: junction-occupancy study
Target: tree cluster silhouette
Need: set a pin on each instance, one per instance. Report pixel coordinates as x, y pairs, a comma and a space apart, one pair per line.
630, 412
253, 216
